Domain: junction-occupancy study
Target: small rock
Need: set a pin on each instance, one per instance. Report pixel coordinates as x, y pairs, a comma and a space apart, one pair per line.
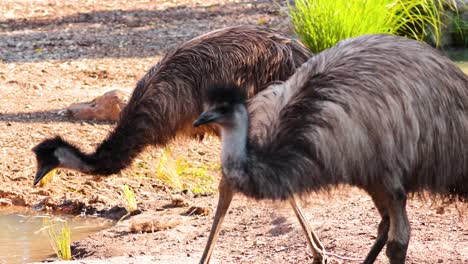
198, 210
259, 243
279, 249
440, 210
153, 226
82, 191
5, 193
42, 192
5, 202
97, 199
36, 86
115, 212
70, 207
178, 201
188, 193
18, 201
20, 178
160, 187
103, 108
91, 183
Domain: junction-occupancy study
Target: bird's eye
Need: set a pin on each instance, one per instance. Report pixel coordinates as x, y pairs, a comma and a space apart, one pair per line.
223, 109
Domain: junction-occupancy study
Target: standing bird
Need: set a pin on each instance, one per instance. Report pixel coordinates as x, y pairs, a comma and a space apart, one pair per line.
168, 98
383, 113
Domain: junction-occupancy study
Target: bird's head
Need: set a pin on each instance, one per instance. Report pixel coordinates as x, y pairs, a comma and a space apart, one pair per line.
222, 102
48, 155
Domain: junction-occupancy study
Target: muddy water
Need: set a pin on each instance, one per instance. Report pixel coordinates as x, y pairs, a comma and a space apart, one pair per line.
21, 240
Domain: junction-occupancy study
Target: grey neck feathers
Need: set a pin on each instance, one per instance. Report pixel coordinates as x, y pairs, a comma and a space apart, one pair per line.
234, 139
68, 159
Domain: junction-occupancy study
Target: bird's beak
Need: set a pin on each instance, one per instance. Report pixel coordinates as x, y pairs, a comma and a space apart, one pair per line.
206, 118
41, 172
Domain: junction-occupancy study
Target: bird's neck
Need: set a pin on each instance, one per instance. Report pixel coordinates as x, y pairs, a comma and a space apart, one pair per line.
74, 160
234, 140
122, 145
115, 153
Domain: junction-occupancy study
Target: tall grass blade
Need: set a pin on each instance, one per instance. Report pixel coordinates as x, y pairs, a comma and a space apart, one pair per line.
60, 237
129, 197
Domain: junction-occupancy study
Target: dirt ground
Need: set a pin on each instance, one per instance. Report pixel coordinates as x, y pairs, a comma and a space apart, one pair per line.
55, 52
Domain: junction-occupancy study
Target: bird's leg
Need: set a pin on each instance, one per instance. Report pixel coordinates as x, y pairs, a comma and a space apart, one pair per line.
318, 251
381, 203
225, 198
399, 231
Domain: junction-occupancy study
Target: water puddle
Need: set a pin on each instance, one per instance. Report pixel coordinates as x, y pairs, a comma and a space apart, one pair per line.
21, 238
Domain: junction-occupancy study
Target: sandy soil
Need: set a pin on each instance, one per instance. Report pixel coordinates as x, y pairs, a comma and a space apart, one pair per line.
54, 53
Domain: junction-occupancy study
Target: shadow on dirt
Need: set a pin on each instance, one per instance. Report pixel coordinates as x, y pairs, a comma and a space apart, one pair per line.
45, 116
116, 33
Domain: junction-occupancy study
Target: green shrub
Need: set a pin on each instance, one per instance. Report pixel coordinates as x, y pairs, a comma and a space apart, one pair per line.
322, 23
460, 29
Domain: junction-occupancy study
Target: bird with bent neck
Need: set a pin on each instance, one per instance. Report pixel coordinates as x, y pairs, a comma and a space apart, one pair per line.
166, 99
57, 153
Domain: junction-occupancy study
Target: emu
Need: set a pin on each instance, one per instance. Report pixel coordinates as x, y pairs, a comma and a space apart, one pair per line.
168, 98
383, 113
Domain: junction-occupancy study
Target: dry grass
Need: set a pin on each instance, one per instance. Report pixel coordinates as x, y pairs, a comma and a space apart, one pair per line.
178, 201
198, 210
48, 178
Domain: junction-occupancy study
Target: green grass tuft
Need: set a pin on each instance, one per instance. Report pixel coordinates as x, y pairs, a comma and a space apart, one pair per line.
60, 237
177, 169
168, 169
322, 23
181, 174
130, 198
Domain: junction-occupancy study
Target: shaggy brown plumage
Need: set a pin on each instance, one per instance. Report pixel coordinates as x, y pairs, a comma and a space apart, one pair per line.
168, 98
383, 113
